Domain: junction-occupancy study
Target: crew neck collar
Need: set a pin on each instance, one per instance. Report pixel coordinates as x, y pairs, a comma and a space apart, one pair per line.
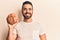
27, 22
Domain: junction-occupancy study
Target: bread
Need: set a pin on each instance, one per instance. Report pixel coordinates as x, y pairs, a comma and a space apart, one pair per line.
12, 18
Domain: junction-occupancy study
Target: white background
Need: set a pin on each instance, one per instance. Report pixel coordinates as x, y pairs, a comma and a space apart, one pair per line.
47, 12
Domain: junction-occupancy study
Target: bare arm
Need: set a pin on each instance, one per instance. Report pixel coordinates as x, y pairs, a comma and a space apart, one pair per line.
43, 37
11, 35
12, 20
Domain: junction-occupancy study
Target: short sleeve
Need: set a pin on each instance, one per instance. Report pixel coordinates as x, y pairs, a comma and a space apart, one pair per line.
14, 31
41, 31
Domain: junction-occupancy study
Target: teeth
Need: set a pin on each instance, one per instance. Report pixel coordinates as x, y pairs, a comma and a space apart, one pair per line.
27, 14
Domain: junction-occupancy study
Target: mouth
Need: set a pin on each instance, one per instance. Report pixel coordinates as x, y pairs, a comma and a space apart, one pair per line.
27, 13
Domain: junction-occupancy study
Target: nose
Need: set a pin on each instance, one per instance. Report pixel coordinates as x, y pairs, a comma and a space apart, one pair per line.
27, 10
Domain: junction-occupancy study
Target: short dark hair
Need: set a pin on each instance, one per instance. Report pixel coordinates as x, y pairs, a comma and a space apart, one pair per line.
27, 2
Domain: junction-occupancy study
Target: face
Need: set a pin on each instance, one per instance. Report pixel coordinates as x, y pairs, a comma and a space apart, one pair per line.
27, 11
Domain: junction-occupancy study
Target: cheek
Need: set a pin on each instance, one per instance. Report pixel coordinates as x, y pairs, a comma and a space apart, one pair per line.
24, 11
31, 11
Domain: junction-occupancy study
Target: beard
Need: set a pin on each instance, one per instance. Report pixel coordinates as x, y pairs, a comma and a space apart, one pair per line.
27, 15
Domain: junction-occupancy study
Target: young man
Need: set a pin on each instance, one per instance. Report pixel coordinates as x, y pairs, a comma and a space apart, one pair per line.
26, 29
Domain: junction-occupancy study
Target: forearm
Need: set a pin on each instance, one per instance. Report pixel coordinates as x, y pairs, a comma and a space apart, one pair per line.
43, 37
11, 35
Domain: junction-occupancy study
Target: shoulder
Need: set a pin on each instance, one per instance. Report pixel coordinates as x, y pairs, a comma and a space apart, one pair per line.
18, 25
37, 23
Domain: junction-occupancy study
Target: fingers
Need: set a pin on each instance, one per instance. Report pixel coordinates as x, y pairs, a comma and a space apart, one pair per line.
12, 26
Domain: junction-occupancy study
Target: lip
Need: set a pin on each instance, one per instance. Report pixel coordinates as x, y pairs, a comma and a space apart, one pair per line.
27, 14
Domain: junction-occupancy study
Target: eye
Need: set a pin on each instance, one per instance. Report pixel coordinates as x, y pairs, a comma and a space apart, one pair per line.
30, 9
24, 9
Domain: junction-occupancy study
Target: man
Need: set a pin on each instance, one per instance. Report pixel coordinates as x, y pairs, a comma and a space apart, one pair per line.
26, 29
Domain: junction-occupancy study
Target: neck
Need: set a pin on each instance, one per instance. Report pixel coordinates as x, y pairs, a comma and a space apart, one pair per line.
28, 20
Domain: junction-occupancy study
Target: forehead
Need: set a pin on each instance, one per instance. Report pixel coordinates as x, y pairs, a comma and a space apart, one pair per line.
27, 6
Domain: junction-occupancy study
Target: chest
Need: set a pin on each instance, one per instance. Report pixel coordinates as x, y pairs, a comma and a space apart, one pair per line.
27, 32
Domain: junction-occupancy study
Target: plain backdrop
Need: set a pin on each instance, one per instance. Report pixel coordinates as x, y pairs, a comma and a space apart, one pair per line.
47, 12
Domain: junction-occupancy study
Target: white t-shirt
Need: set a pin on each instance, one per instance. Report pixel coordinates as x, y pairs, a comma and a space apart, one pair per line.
28, 31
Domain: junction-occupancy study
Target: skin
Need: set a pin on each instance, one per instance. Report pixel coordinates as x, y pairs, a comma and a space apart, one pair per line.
27, 8
12, 20
43, 37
